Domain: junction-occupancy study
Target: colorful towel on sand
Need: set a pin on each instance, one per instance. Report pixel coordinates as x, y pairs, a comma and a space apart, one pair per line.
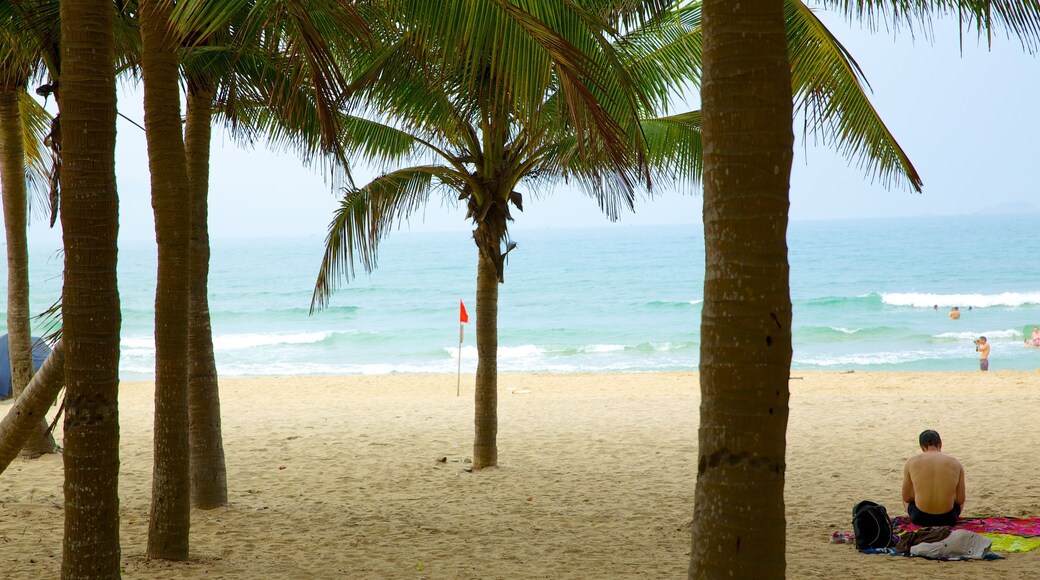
1025, 527
892, 552
1010, 543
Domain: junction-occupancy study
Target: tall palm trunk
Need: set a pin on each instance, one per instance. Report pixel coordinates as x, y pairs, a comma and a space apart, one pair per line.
738, 527
488, 236
19, 340
90, 297
170, 519
208, 470
485, 416
12, 173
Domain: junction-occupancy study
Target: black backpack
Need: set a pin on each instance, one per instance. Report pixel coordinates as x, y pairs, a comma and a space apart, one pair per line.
871, 526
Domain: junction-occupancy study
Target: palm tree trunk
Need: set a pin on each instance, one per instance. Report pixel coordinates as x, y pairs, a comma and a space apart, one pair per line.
739, 525
30, 408
19, 339
208, 470
170, 519
485, 416
12, 174
487, 236
90, 297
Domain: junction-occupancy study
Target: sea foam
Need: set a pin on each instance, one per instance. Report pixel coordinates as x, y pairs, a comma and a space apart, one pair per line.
963, 301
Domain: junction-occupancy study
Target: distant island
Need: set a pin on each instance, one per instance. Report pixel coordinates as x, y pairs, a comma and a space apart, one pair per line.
1016, 206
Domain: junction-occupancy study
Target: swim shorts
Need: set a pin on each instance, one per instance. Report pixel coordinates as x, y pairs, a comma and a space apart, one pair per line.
984, 364
926, 519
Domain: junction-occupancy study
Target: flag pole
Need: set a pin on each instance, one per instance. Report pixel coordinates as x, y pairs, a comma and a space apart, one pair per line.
463, 318
458, 382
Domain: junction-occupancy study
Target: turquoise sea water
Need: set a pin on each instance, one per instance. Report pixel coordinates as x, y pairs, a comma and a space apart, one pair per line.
603, 299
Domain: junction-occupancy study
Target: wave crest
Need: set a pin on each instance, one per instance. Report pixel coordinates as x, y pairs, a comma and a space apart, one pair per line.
926, 300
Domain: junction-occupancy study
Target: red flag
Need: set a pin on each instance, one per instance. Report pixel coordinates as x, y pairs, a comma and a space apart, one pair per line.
463, 317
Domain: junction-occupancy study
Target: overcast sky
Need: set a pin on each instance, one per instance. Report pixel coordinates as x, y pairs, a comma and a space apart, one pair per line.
969, 123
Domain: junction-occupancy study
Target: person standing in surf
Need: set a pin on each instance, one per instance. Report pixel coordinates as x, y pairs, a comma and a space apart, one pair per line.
982, 347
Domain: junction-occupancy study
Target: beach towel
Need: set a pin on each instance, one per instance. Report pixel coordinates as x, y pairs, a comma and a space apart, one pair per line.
1010, 543
1026, 527
1007, 534
988, 555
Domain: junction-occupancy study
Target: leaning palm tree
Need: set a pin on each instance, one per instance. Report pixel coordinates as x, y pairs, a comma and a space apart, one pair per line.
33, 403
738, 527
90, 299
528, 102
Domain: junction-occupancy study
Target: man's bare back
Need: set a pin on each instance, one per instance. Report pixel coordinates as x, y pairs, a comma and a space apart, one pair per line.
933, 480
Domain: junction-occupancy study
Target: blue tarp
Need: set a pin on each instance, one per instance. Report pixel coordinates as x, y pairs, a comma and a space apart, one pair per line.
40, 353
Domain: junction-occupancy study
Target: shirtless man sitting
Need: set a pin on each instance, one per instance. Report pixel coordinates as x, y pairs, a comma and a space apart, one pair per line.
933, 484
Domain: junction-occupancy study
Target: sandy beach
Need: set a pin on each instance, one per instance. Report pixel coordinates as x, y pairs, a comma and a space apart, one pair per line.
337, 476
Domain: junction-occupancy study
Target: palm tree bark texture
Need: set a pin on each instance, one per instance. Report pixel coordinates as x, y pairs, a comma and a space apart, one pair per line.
90, 295
12, 172
488, 237
208, 468
170, 517
745, 358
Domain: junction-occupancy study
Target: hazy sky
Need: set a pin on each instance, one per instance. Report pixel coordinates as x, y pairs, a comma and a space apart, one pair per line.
969, 123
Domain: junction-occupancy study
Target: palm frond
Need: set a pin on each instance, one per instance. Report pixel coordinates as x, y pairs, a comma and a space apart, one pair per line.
302, 38
666, 53
389, 88
566, 159
1016, 18
377, 142
828, 88
201, 19
36, 125
364, 218
675, 146
510, 55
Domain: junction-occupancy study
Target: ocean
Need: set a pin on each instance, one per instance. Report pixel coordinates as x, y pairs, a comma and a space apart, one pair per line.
867, 294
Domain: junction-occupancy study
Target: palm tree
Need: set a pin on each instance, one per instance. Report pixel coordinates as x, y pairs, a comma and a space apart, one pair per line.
240, 65
208, 468
174, 183
746, 317
13, 76
19, 61
90, 299
738, 528
525, 104
171, 484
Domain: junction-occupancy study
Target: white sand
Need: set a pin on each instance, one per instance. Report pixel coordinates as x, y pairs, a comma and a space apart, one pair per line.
596, 476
